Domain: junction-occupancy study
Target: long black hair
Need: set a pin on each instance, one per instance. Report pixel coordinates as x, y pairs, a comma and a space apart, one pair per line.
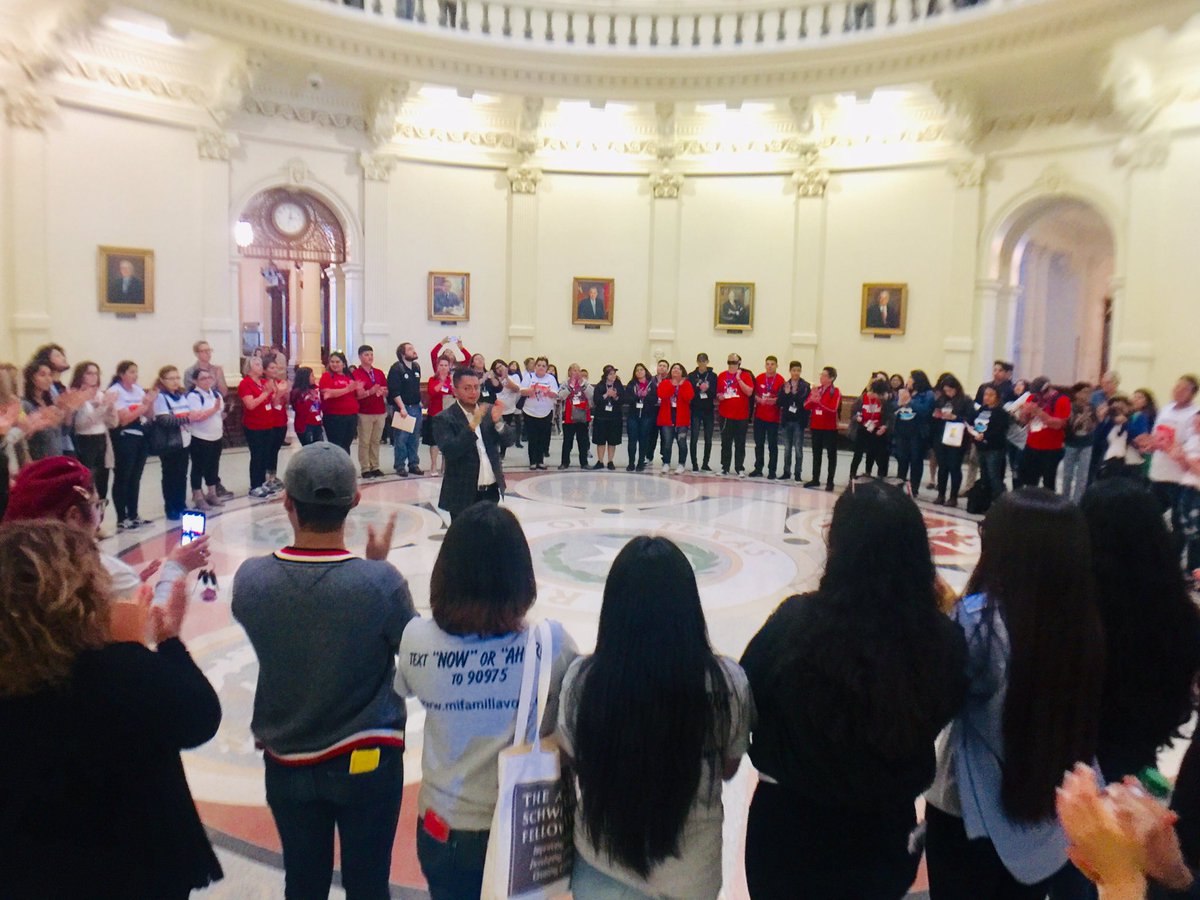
875, 630
1152, 632
653, 701
1035, 568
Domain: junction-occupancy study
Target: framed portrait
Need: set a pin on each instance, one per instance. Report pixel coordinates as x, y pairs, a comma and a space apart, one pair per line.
884, 308
592, 301
449, 296
125, 280
733, 306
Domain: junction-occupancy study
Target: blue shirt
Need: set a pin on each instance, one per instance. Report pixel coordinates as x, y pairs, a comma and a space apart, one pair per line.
1031, 852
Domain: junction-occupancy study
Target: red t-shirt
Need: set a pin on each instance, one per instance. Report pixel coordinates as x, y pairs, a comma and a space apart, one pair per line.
345, 405
767, 386
870, 411
259, 418
278, 408
733, 403
440, 392
308, 409
1043, 437
369, 378
824, 404
677, 400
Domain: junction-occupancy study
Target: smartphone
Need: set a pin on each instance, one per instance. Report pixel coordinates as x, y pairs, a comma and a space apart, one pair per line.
193, 524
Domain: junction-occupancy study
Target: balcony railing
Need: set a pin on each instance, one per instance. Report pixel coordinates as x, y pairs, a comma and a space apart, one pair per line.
662, 26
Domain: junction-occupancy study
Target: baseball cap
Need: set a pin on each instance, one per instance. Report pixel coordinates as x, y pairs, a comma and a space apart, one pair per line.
321, 473
48, 488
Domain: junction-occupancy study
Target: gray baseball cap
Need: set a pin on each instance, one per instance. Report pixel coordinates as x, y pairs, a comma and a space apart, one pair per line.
321, 473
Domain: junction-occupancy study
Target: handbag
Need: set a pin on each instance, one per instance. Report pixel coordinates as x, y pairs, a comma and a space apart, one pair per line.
953, 434
163, 433
530, 850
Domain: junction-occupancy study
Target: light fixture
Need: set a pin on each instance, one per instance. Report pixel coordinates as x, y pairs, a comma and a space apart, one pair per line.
243, 234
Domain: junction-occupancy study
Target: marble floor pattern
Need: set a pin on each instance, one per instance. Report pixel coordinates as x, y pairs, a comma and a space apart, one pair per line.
752, 543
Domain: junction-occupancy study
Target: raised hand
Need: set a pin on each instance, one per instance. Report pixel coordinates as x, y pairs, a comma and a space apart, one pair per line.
379, 543
167, 620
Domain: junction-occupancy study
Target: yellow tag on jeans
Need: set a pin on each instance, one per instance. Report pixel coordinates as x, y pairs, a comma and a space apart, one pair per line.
364, 761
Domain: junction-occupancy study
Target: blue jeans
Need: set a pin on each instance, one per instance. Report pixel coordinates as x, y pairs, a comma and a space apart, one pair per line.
308, 802
640, 430
1076, 463
406, 445
673, 434
453, 868
792, 437
910, 448
589, 883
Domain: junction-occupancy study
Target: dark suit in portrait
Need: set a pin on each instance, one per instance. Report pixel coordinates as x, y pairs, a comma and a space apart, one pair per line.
734, 310
446, 302
592, 307
456, 440
881, 316
126, 289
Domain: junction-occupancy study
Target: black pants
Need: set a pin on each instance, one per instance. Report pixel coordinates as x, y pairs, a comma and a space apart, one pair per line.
824, 441
950, 462
489, 494
1040, 467
766, 433
875, 447
129, 456
311, 435
174, 481
206, 462
512, 421
259, 441
537, 436
575, 433
795, 850
341, 430
702, 419
960, 867
733, 444
1168, 493
911, 450
640, 428
91, 450
278, 436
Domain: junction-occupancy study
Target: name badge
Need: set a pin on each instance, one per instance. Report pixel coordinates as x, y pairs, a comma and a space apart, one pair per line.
673, 403
640, 404
792, 408
608, 407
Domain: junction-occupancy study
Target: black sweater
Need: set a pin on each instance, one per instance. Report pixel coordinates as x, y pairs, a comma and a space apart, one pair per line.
799, 679
93, 798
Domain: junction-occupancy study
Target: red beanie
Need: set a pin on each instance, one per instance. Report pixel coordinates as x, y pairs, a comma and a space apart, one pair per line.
46, 489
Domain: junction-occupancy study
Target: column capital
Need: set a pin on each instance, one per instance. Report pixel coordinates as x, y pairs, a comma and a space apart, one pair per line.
811, 182
377, 166
28, 107
523, 179
970, 173
1144, 151
215, 144
665, 185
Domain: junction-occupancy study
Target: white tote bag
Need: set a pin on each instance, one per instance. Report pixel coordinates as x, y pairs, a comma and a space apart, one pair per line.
530, 850
953, 434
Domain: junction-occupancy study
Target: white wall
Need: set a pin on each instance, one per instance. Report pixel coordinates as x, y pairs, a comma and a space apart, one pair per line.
110, 180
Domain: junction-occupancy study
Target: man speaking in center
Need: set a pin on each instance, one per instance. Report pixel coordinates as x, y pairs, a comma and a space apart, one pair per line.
470, 435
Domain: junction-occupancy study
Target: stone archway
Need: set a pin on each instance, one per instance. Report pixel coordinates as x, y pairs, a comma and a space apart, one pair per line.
1053, 259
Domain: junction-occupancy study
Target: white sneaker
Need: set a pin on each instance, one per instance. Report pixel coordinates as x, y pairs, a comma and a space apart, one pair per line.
679, 469
666, 468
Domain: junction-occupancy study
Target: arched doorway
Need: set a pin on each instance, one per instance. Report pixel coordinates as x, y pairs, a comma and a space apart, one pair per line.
291, 286
1055, 269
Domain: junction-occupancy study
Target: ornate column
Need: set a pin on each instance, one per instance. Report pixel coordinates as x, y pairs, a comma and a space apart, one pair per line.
522, 285
665, 226
959, 350
988, 292
352, 278
220, 316
375, 321
308, 318
808, 260
28, 112
1138, 286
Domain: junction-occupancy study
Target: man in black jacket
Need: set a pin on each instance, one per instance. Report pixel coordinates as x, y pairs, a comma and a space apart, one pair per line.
404, 391
470, 435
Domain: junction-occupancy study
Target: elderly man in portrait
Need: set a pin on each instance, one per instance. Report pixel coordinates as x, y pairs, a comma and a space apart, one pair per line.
592, 306
126, 287
734, 310
883, 313
445, 301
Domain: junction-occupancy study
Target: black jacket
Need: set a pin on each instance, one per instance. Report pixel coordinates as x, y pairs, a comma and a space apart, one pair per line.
93, 799
600, 403
456, 440
649, 402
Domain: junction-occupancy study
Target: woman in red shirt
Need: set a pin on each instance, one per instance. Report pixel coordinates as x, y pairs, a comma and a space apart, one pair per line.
675, 416
441, 391
824, 403
306, 401
276, 371
256, 393
339, 401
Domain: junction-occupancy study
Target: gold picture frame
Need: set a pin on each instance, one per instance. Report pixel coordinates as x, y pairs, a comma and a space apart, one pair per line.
449, 296
125, 280
733, 306
592, 309
886, 319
